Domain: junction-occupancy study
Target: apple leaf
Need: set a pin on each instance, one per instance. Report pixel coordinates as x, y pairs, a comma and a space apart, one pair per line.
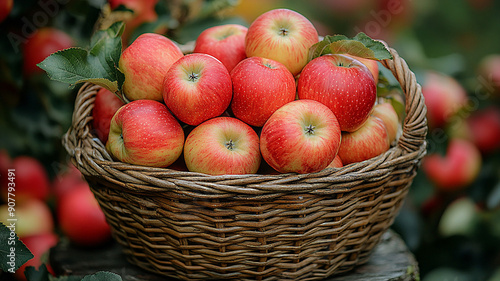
13, 252
98, 64
360, 45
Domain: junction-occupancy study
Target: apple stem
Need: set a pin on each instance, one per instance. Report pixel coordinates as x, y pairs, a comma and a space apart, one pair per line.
193, 77
310, 129
230, 144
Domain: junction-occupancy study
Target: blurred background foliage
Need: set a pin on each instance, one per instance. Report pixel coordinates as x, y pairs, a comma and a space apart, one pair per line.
454, 232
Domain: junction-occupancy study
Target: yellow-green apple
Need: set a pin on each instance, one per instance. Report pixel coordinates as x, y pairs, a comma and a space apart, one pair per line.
386, 112
222, 145
302, 136
197, 87
260, 87
145, 63
365, 143
372, 65
489, 71
444, 97
5, 8
484, 128
455, 170
105, 105
144, 132
32, 216
336, 163
81, 219
38, 245
30, 179
225, 42
343, 84
282, 35
41, 44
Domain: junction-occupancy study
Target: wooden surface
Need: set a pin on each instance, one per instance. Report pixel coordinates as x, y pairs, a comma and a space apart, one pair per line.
390, 260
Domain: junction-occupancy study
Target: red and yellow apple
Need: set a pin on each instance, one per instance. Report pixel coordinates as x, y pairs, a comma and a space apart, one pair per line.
343, 84
260, 87
197, 87
222, 145
145, 63
32, 215
386, 112
303, 136
282, 35
105, 106
365, 143
336, 163
143, 132
372, 65
225, 42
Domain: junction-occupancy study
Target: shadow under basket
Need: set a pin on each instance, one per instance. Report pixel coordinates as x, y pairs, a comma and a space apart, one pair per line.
194, 226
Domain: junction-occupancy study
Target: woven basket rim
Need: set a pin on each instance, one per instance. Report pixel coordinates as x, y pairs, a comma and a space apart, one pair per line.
91, 157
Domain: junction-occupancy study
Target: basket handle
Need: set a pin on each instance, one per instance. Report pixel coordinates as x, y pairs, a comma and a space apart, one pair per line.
415, 122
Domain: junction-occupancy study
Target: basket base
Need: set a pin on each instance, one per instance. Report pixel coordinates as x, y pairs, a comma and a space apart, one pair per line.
390, 260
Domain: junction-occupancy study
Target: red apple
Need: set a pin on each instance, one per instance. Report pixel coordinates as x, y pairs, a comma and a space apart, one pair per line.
145, 63
41, 44
31, 179
372, 65
303, 136
225, 42
282, 35
105, 105
222, 145
5, 8
143, 132
457, 169
343, 84
260, 87
196, 88
489, 71
143, 12
386, 112
32, 217
484, 127
336, 163
367, 142
444, 97
66, 180
38, 245
81, 219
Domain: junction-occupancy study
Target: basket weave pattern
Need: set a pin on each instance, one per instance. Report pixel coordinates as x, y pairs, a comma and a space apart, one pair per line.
194, 226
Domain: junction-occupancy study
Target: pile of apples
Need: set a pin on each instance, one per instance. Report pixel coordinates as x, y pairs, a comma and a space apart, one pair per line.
242, 98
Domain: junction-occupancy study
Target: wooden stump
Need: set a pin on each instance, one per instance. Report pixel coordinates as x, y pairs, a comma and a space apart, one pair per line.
391, 260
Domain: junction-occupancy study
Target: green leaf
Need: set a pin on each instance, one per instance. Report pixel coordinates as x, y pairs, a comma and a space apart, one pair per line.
360, 45
98, 65
102, 276
32, 274
13, 252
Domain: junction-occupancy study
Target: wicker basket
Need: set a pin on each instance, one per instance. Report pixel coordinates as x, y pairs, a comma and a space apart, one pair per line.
193, 226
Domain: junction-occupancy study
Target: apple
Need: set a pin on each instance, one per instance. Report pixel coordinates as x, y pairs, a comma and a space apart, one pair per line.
66, 180
42, 43
484, 128
143, 132
386, 112
260, 87
143, 12
145, 63
282, 35
81, 219
372, 65
196, 88
5, 8
365, 143
489, 71
222, 145
303, 136
455, 170
343, 84
444, 97
225, 42
33, 217
336, 163
105, 105
38, 245
31, 179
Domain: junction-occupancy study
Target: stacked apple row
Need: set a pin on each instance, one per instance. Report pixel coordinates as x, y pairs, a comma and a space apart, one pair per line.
245, 95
